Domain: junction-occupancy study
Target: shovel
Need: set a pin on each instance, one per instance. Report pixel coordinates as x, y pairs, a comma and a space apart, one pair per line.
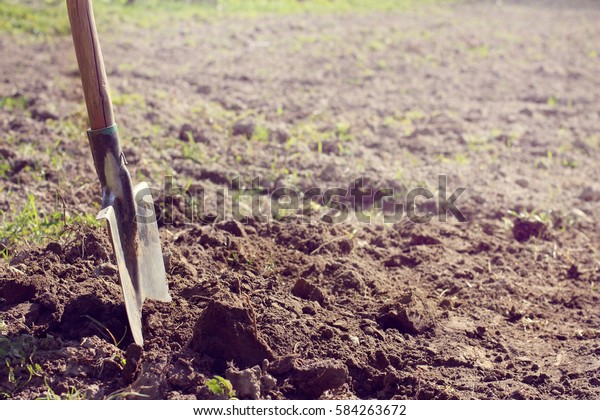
128, 210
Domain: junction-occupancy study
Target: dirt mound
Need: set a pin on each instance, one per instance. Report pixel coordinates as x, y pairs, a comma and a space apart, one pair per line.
319, 324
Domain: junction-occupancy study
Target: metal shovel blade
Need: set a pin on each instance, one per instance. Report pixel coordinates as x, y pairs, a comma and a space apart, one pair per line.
142, 275
133, 229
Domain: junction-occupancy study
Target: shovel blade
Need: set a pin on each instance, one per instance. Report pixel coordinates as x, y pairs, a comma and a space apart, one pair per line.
141, 267
152, 268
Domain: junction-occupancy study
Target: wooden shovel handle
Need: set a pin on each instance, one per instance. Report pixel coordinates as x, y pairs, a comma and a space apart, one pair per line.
91, 64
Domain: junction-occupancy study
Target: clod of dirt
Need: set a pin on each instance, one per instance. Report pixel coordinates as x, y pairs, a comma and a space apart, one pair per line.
348, 279
280, 133
411, 314
590, 194
305, 290
245, 382
44, 112
418, 239
20, 164
316, 377
250, 383
464, 355
244, 127
15, 291
106, 308
106, 269
212, 239
7, 153
226, 331
523, 229
204, 89
24, 289
232, 226
312, 378
404, 259
573, 272
28, 312
514, 314
133, 355
151, 381
182, 374
187, 132
91, 245
54, 247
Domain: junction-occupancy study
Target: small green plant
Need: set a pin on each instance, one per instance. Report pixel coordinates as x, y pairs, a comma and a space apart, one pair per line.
343, 131
32, 225
221, 387
526, 215
461, 159
18, 368
18, 18
534, 215
124, 394
120, 360
134, 100
49, 17
5, 168
71, 394
546, 162
482, 51
260, 134
11, 103
105, 332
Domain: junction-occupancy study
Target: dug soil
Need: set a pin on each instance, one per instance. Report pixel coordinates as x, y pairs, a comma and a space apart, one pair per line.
501, 98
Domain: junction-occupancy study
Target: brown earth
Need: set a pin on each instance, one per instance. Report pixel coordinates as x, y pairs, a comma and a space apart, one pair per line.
503, 99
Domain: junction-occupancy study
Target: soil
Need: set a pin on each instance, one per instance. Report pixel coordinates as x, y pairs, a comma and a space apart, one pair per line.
502, 97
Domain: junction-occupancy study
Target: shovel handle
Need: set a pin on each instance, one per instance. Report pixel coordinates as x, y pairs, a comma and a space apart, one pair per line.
91, 64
